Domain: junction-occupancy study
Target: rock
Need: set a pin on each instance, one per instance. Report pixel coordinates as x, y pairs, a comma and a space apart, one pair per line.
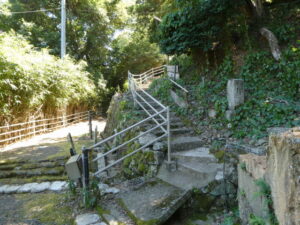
283, 171
159, 157
3, 188
102, 186
147, 138
229, 114
212, 113
248, 204
178, 100
229, 125
260, 142
235, 93
158, 146
87, 219
11, 189
41, 187
219, 176
112, 190
58, 186
105, 189
255, 165
26, 188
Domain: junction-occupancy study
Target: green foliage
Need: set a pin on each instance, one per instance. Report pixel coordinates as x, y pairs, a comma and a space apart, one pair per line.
265, 191
243, 166
197, 25
254, 220
31, 79
72, 187
232, 218
161, 88
138, 164
132, 53
91, 195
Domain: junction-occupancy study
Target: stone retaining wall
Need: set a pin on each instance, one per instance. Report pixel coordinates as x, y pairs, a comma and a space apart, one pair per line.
280, 169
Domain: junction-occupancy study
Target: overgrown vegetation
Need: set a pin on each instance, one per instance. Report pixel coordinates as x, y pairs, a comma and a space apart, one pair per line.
33, 81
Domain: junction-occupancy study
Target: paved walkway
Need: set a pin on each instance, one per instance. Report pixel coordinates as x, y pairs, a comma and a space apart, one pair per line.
32, 177
76, 130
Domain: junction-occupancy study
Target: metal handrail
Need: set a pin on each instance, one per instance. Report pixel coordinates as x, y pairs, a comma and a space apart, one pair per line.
179, 86
134, 80
124, 131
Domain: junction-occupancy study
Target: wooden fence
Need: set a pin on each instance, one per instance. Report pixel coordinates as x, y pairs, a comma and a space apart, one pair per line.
16, 132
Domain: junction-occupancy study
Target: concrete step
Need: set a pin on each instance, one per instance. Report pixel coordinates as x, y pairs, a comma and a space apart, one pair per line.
191, 175
154, 202
198, 155
175, 131
184, 143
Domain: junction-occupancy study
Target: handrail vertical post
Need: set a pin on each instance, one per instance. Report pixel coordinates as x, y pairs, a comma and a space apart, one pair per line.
169, 135
85, 166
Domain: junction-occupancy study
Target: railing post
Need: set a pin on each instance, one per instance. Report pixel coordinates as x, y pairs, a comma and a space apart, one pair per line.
85, 166
90, 125
169, 135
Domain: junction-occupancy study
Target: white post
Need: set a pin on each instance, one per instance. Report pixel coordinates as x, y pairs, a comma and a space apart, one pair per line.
63, 28
169, 135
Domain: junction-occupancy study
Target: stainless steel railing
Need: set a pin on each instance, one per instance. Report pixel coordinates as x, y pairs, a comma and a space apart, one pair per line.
156, 111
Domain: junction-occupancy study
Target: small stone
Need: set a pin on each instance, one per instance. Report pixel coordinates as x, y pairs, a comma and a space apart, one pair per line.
212, 113
11, 189
229, 125
87, 219
147, 138
112, 190
260, 142
158, 146
219, 176
102, 186
58, 186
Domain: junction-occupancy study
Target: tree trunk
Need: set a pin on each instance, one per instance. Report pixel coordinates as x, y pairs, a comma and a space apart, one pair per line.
273, 42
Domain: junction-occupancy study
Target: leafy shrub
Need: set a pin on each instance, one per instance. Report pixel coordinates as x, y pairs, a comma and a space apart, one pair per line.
30, 79
196, 25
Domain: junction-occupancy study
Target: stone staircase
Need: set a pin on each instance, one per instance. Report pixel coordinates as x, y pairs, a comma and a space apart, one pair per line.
157, 200
195, 166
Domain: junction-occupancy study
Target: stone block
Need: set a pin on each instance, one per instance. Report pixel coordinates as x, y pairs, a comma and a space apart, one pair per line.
283, 174
255, 165
235, 93
173, 72
178, 100
212, 113
87, 219
249, 202
229, 114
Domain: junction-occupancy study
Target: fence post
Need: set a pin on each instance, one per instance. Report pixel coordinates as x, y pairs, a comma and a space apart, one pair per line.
85, 166
71, 142
96, 135
90, 125
169, 135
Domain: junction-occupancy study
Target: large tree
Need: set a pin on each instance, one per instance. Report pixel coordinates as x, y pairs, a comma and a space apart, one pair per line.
90, 27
